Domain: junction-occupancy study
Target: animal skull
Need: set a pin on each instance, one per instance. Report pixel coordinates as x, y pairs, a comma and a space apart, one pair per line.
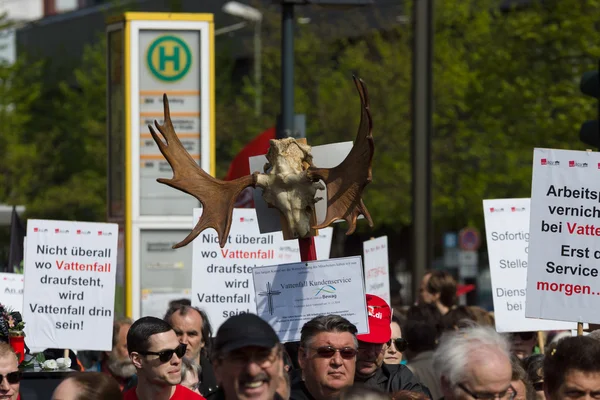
287, 185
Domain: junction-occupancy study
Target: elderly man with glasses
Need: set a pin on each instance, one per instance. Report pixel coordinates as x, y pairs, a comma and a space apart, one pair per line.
327, 357
474, 364
155, 351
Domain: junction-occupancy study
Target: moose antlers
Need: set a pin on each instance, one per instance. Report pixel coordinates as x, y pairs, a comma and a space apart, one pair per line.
345, 183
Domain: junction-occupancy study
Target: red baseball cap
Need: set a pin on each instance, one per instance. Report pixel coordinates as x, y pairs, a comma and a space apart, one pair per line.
380, 318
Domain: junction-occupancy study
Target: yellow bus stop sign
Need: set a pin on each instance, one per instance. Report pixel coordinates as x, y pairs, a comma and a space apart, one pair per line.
169, 58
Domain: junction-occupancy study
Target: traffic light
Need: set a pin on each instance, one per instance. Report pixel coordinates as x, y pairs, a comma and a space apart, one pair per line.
590, 130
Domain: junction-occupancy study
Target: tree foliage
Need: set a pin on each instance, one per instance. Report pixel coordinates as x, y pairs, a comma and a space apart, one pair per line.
504, 83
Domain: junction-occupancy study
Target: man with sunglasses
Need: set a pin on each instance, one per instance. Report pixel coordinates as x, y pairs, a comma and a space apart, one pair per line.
9, 373
370, 369
247, 359
327, 358
155, 351
523, 343
474, 364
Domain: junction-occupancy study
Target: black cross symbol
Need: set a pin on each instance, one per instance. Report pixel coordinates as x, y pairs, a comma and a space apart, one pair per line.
270, 293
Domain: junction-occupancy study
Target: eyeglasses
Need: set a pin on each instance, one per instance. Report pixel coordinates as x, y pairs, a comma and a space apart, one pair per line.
166, 355
11, 377
538, 386
509, 394
347, 353
400, 343
524, 335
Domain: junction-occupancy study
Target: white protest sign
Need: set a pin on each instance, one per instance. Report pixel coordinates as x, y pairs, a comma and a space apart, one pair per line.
377, 269
290, 295
290, 252
11, 295
222, 277
563, 281
69, 291
507, 234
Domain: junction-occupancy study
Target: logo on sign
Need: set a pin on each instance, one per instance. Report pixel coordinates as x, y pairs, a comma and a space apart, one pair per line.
101, 233
242, 219
61, 230
496, 209
326, 289
169, 58
516, 209
545, 161
80, 232
572, 164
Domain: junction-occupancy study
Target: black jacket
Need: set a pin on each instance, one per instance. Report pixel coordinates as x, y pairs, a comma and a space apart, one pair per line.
393, 378
208, 385
300, 392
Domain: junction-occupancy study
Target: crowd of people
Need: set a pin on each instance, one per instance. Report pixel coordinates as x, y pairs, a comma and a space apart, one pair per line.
434, 349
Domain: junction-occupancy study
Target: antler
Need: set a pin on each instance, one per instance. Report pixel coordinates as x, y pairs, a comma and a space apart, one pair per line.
346, 182
217, 196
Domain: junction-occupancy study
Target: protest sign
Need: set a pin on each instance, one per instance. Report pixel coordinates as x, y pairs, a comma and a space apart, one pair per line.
507, 233
290, 252
564, 256
11, 295
377, 269
290, 295
69, 288
222, 277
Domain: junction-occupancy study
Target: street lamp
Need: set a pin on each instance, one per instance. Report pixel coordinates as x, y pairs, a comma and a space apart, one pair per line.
251, 14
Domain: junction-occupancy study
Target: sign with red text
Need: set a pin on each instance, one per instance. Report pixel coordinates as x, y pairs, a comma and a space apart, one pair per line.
69, 291
222, 277
507, 234
11, 291
377, 269
563, 281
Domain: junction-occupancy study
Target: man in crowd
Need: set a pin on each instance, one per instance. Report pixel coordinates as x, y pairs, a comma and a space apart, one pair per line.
247, 359
370, 369
439, 288
193, 329
9, 373
474, 363
156, 353
327, 357
572, 370
116, 362
421, 331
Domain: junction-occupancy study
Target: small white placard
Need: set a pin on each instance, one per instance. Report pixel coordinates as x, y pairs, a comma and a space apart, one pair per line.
289, 295
377, 268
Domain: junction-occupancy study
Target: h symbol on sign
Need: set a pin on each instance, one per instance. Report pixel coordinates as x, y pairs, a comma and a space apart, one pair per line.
164, 58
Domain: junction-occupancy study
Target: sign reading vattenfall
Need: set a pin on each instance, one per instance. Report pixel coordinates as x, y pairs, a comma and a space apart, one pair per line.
289, 295
563, 278
70, 271
170, 62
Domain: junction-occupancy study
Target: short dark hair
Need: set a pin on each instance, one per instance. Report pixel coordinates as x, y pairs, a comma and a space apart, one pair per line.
577, 353
443, 282
96, 386
422, 327
325, 323
180, 306
457, 318
139, 334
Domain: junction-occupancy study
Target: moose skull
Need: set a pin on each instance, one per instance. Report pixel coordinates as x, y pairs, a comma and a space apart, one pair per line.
287, 185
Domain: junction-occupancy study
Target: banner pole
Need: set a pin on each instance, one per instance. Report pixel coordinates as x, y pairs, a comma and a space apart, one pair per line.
580, 329
541, 341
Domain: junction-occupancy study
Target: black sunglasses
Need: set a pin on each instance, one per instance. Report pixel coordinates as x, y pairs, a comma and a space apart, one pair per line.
11, 377
166, 355
400, 343
347, 353
524, 335
538, 386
